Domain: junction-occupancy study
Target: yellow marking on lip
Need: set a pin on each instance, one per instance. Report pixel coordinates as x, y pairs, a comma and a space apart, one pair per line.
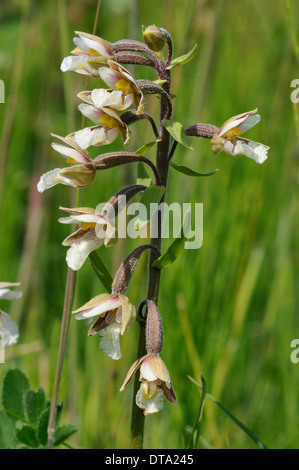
107, 121
93, 52
124, 86
88, 225
232, 133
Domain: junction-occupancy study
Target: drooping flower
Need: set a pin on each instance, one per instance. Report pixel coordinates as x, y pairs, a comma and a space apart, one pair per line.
155, 383
227, 138
79, 175
119, 78
154, 376
116, 314
100, 107
90, 53
96, 230
9, 331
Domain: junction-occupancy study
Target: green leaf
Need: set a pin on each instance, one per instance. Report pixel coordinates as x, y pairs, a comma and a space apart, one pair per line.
152, 195
232, 417
8, 438
183, 59
176, 247
27, 435
193, 444
177, 131
15, 386
35, 403
160, 82
101, 270
145, 148
42, 427
63, 433
188, 171
142, 175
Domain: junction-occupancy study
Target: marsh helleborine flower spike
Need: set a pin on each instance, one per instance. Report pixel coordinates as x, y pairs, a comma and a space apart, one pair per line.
90, 53
79, 175
9, 331
154, 376
227, 138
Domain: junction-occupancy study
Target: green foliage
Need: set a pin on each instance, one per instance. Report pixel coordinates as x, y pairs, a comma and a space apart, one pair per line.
188, 171
25, 415
183, 59
177, 131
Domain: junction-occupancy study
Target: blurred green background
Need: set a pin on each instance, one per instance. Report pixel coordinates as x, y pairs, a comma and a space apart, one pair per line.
230, 309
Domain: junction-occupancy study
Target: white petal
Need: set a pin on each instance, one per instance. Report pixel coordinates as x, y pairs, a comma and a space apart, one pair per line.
78, 64
86, 44
88, 136
146, 373
9, 331
249, 122
10, 294
51, 178
89, 218
237, 121
79, 251
110, 77
69, 152
110, 304
109, 342
149, 405
91, 112
249, 148
114, 99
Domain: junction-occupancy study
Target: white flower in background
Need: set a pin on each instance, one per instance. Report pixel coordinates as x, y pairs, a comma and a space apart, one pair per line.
100, 107
96, 230
119, 78
155, 384
9, 331
79, 175
90, 53
116, 314
227, 138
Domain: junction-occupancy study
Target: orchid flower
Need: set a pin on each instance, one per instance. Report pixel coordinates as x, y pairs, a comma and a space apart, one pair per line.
119, 78
79, 175
155, 383
96, 230
98, 108
9, 331
227, 138
90, 53
116, 314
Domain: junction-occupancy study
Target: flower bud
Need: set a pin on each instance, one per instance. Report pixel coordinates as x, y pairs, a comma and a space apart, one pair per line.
154, 38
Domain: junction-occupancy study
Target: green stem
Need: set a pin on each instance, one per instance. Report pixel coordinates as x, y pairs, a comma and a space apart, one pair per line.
137, 419
66, 317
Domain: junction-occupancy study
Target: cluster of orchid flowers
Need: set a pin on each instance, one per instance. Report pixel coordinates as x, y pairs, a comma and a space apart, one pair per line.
108, 110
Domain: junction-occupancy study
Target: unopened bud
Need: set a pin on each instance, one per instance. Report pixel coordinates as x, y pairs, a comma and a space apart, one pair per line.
154, 38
